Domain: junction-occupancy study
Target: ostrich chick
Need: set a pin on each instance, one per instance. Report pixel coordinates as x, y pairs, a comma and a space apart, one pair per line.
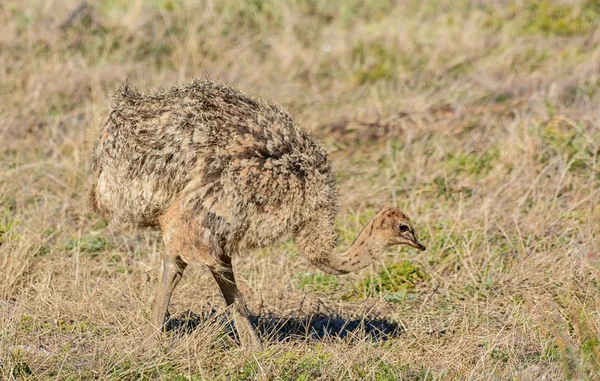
220, 173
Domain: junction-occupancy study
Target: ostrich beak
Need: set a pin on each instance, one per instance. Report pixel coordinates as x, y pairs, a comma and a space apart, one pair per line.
418, 245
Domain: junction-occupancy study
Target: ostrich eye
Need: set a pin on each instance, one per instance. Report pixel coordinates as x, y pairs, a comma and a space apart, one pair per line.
403, 228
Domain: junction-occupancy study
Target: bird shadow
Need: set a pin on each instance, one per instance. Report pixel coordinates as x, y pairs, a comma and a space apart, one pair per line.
306, 327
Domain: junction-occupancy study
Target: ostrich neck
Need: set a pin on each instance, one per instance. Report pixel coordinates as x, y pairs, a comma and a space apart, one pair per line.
317, 241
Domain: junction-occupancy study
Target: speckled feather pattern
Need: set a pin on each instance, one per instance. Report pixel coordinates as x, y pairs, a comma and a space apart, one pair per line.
236, 168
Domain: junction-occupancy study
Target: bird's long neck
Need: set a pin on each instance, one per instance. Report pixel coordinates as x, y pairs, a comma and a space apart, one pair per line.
317, 241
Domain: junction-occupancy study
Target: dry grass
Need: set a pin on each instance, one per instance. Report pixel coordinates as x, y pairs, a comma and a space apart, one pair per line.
480, 119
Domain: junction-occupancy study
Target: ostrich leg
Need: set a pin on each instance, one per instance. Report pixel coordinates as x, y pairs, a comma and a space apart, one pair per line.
241, 316
172, 272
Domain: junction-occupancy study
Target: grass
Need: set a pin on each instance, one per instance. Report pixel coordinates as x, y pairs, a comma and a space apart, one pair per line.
393, 283
479, 119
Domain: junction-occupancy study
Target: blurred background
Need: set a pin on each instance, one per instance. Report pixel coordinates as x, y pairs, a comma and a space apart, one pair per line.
480, 119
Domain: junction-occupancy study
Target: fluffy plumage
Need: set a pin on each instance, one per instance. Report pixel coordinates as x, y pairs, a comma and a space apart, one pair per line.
239, 167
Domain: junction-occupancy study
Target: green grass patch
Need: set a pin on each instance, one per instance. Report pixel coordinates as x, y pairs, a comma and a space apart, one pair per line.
92, 242
20, 365
168, 370
30, 324
473, 164
374, 62
561, 19
393, 281
319, 282
382, 370
27, 324
254, 15
7, 224
292, 365
305, 366
560, 138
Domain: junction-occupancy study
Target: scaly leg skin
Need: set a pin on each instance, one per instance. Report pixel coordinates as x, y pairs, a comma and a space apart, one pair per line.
241, 315
171, 275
